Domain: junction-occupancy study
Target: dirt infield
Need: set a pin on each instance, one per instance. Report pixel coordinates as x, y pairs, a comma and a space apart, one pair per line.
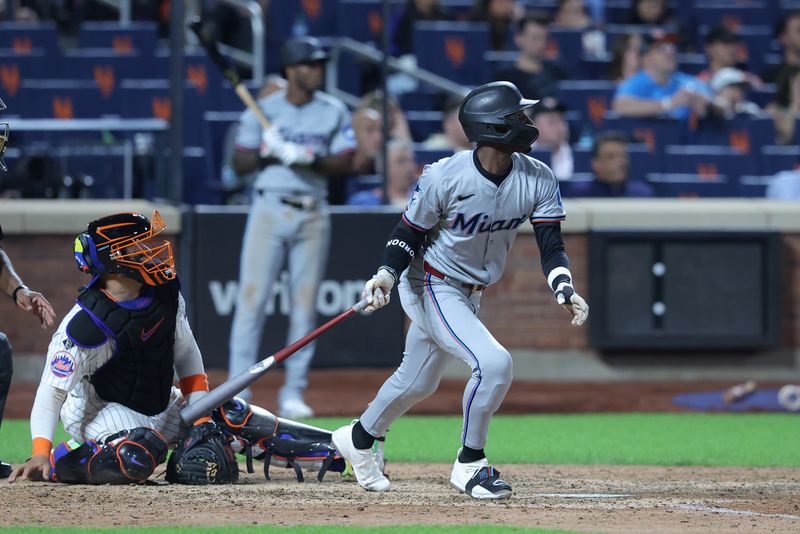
347, 392
627, 499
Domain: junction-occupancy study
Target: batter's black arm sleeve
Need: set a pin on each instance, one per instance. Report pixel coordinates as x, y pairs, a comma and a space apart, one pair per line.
403, 245
551, 249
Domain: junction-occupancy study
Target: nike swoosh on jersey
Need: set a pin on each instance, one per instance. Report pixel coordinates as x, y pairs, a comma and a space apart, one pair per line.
147, 334
465, 197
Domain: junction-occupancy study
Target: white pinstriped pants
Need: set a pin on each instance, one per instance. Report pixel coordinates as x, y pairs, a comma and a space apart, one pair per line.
87, 417
444, 325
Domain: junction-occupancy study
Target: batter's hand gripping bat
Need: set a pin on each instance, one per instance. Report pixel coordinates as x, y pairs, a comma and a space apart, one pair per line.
227, 70
232, 386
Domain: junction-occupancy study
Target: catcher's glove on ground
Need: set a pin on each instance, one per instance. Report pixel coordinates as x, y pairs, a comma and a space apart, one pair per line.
205, 456
378, 290
572, 302
273, 145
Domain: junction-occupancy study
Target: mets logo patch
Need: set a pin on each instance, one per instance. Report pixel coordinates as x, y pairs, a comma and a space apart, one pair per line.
62, 365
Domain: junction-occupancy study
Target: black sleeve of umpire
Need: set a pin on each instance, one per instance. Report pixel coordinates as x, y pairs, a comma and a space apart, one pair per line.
404, 243
551, 246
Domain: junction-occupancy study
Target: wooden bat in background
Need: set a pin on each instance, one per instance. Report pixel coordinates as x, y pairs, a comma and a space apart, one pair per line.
227, 390
227, 70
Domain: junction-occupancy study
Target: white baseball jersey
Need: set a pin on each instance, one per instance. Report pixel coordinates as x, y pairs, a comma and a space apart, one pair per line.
65, 389
471, 222
322, 124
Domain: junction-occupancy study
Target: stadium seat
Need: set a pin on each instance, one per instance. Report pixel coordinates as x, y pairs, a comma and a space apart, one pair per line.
590, 97
65, 99
732, 15
709, 162
122, 38
450, 49
567, 187
566, 46
654, 133
290, 19
362, 20
753, 186
356, 184
691, 185
692, 63
425, 157
103, 65
15, 68
745, 134
424, 123
777, 158
25, 38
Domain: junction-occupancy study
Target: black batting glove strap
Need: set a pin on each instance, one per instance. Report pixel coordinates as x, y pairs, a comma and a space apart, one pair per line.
567, 291
558, 280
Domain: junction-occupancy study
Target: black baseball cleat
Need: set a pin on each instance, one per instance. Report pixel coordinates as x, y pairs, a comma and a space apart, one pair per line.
5, 470
479, 480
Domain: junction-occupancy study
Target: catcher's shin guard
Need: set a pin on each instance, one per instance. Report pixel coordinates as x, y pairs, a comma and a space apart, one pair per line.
280, 442
126, 457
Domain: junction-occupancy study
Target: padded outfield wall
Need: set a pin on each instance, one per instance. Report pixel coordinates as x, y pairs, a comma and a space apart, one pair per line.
519, 309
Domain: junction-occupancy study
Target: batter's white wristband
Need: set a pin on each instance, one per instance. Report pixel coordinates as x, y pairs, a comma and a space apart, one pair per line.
555, 273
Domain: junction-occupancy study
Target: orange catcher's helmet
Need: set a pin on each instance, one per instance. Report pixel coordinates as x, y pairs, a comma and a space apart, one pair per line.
126, 244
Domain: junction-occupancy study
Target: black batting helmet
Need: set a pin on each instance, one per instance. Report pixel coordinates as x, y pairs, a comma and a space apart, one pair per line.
497, 113
4, 129
302, 50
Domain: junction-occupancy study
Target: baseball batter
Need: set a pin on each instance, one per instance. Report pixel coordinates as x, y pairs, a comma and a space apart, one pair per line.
311, 140
452, 242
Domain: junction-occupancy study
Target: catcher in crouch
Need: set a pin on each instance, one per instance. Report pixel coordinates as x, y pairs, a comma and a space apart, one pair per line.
110, 371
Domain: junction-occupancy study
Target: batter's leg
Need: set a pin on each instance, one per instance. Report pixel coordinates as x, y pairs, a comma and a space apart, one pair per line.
417, 378
261, 260
308, 257
453, 325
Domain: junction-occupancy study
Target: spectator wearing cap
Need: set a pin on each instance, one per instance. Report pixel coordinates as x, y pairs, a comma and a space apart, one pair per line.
788, 35
610, 165
721, 47
658, 89
554, 136
730, 87
535, 76
452, 136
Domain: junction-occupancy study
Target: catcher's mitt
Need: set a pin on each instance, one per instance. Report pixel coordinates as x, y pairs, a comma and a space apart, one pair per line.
203, 457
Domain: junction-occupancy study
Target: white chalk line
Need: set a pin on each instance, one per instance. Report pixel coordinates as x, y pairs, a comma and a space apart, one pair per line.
584, 495
718, 510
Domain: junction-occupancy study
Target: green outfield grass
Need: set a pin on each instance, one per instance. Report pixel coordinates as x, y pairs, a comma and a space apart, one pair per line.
758, 440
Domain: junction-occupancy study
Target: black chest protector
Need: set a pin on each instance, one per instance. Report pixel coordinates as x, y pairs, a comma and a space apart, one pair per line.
140, 373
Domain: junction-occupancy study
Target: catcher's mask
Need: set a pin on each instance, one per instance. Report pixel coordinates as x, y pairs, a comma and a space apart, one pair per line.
126, 244
4, 129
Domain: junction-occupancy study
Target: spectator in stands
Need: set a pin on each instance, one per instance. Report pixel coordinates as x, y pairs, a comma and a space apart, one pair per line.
788, 35
659, 89
625, 60
785, 186
610, 166
452, 136
402, 29
402, 175
398, 124
721, 46
554, 136
535, 76
500, 15
572, 14
785, 110
652, 13
730, 88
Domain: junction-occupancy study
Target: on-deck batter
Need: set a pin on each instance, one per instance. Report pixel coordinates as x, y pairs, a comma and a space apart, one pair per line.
311, 140
464, 216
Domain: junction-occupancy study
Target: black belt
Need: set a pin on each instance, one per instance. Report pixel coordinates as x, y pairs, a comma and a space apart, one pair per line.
293, 202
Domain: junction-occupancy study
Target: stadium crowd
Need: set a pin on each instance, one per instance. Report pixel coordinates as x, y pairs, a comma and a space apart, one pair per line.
670, 98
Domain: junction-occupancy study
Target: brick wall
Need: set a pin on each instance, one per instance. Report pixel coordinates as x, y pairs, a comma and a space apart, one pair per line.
519, 311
